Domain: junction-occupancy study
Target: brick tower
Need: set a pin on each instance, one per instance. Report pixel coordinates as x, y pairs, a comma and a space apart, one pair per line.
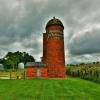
53, 49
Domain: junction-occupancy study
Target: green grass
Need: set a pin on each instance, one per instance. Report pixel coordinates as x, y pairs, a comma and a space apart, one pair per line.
49, 89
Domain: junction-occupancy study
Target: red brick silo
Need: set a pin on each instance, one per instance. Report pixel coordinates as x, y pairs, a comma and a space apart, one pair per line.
54, 55
44, 47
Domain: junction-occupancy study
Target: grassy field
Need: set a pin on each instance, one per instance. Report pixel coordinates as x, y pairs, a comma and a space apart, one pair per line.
49, 89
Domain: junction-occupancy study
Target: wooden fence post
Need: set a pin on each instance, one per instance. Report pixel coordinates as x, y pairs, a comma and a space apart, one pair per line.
24, 75
10, 75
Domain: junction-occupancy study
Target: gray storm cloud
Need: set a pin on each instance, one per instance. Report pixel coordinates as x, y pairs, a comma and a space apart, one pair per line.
22, 23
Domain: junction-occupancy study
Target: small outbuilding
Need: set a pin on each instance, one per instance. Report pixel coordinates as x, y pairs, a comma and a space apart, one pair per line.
21, 66
2, 67
36, 70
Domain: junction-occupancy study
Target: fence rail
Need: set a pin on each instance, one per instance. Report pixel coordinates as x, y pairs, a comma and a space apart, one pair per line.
12, 75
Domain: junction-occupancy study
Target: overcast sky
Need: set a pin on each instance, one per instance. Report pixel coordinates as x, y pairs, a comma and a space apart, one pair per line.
22, 23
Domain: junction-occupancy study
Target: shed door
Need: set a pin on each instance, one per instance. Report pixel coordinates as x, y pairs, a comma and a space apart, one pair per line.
38, 72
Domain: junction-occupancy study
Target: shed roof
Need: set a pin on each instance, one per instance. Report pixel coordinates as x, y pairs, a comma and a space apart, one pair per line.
35, 64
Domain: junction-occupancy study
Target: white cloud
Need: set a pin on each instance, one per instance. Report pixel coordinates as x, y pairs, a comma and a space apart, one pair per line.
23, 21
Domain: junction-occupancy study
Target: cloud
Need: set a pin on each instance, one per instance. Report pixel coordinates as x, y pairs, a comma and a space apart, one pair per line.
22, 23
86, 40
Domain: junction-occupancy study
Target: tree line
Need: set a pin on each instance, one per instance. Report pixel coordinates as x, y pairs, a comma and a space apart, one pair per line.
12, 59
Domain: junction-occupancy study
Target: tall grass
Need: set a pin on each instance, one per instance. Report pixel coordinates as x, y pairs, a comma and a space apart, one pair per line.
89, 72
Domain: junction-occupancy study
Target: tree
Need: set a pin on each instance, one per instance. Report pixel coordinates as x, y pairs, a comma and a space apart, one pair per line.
1, 61
12, 59
82, 63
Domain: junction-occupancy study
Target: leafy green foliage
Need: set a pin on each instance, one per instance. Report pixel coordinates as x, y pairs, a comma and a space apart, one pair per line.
12, 59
